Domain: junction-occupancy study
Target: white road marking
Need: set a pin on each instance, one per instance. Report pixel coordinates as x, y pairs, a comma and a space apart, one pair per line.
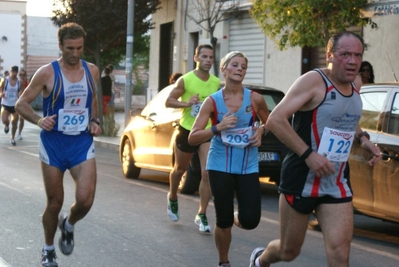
3, 263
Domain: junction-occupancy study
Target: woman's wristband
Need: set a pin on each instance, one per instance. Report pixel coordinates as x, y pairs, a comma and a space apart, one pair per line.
306, 154
264, 129
214, 130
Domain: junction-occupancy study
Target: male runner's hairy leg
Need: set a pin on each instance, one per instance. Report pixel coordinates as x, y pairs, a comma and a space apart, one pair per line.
336, 220
204, 187
293, 227
182, 160
53, 185
85, 177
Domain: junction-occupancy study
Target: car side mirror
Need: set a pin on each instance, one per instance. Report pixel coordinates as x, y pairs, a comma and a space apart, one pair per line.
152, 116
135, 112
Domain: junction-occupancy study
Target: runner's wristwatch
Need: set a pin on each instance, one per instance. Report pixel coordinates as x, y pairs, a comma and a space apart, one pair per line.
97, 121
258, 125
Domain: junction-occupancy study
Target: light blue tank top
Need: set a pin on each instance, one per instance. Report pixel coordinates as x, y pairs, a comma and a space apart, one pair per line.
230, 159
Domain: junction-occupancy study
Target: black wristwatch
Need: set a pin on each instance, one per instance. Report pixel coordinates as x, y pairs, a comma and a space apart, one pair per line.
97, 121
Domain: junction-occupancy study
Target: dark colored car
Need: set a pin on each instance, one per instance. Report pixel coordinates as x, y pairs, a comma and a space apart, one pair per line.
376, 188
147, 141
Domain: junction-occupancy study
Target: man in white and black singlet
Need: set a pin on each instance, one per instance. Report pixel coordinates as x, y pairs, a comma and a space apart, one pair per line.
10, 88
315, 172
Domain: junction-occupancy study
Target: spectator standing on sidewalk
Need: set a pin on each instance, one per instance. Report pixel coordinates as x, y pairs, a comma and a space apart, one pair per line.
174, 77
69, 122
106, 87
111, 104
366, 72
192, 89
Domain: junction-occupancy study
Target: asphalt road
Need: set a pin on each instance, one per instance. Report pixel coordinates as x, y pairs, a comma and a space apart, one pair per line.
128, 224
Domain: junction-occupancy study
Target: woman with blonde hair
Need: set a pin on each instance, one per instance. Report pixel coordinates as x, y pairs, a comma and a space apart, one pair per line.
233, 155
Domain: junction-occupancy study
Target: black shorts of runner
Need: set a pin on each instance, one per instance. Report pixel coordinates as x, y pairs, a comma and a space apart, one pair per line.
9, 109
182, 141
306, 205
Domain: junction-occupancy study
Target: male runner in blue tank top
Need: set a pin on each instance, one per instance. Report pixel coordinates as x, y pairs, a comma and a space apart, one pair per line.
315, 174
69, 122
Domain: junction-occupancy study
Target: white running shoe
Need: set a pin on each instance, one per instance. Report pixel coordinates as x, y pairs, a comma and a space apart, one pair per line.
255, 254
66, 241
202, 221
48, 258
19, 137
172, 209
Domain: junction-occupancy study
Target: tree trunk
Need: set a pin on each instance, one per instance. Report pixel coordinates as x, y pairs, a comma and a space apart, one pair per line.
214, 41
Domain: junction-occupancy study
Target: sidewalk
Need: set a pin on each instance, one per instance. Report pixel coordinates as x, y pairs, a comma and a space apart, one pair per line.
112, 142
106, 141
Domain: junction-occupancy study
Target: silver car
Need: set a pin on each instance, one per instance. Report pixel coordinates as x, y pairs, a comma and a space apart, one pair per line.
376, 188
147, 141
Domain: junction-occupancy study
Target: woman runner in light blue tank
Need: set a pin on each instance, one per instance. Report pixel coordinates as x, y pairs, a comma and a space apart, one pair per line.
233, 156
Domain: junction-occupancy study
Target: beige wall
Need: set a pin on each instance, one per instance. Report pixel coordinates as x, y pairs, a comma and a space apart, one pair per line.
383, 41
13, 6
12, 34
277, 74
282, 68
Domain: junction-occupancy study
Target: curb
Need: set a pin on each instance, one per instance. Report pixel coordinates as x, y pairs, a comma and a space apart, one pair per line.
104, 144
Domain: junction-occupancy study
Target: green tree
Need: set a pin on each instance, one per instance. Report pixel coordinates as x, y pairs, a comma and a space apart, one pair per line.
105, 22
307, 22
208, 13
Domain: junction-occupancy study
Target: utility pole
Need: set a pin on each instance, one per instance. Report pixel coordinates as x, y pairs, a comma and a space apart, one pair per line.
129, 59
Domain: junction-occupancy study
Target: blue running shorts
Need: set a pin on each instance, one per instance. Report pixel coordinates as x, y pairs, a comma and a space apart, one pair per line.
65, 151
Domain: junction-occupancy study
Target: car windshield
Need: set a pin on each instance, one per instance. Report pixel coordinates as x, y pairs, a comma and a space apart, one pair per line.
272, 98
158, 102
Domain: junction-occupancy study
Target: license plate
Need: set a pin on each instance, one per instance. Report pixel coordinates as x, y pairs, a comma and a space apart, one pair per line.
267, 156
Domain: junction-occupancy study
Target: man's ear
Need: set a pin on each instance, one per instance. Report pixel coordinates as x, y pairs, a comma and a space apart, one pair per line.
329, 56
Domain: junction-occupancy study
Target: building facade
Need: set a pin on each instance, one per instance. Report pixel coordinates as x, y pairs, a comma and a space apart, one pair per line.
12, 34
42, 43
175, 37
382, 44
25, 41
